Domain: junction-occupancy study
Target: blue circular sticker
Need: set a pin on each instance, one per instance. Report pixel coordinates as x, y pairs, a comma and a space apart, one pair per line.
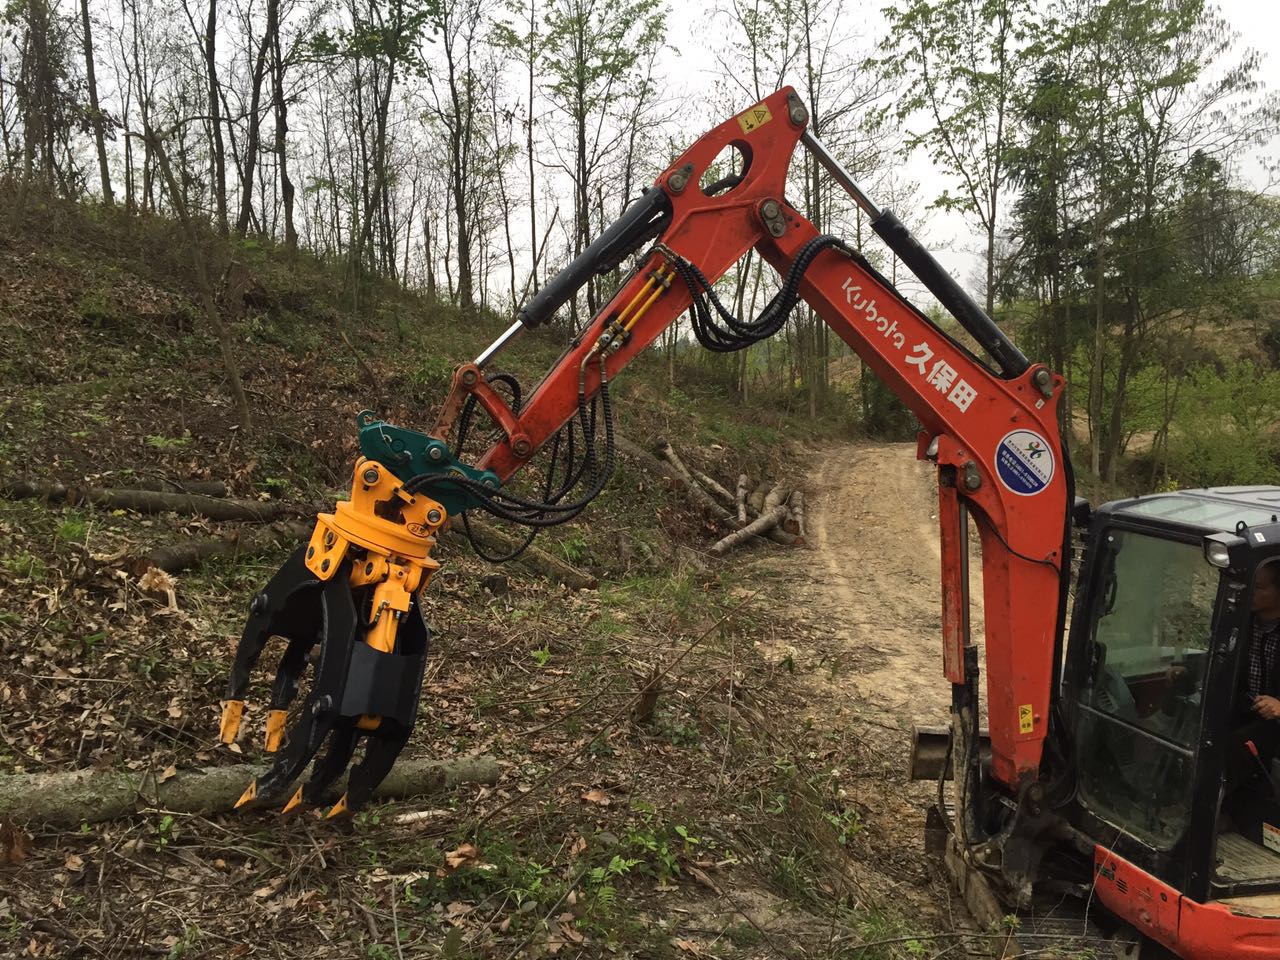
1024, 462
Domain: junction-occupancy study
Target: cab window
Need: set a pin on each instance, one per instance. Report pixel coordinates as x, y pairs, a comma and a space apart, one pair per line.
1140, 708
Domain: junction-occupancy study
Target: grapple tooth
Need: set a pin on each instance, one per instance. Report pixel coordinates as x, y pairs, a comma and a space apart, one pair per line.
338, 809
232, 713
291, 668
294, 802
275, 729
250, 794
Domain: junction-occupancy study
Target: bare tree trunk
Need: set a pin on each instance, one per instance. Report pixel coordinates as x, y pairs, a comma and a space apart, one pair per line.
215, 119
503, 197
251, 146
95, 113
282, 124
533, 192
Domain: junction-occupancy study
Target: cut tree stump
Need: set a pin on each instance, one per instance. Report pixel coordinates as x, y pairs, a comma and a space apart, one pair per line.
157, 501
89, 796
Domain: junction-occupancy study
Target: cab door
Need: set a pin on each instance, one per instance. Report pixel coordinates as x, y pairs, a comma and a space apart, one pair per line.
1141, 656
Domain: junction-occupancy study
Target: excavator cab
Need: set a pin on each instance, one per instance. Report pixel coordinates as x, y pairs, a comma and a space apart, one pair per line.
1167, 776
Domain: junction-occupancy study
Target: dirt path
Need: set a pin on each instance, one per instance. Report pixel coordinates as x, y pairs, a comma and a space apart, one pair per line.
875, 532
873, 577
866, 600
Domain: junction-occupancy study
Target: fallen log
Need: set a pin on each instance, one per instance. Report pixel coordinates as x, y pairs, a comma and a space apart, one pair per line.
662, 468
708, 502
782, 538
743, 481
535, 560
157, 501
206, 488
757, 527
89, 796
775, 498
755, 500
251, 542
727, 499
795, 522
649, 462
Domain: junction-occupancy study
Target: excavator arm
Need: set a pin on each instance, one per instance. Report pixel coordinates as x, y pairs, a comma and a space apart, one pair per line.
346, 603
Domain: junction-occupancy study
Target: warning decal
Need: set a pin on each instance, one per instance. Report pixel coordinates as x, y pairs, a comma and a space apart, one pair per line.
757, 116
1024, 462
1271, 837
1026, 719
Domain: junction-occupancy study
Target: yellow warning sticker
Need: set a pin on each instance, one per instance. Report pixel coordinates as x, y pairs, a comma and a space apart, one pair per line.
1026, 719
754, 118
1271, 837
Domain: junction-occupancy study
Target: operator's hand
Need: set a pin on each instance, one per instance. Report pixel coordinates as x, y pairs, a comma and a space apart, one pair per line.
1268, 708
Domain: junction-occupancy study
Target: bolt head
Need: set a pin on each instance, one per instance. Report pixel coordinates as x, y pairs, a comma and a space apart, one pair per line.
799, 115
521, 448
434, 516
469, 377
769, 209
435, 454
370, 476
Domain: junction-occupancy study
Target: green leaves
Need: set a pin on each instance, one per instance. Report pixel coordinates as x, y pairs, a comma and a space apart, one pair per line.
389, 30
1223, 431
593, 45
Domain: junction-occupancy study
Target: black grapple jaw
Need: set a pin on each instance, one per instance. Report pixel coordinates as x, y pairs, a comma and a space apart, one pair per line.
347, 607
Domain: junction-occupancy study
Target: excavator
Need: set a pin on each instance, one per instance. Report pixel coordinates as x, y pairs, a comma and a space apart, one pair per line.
1107, 772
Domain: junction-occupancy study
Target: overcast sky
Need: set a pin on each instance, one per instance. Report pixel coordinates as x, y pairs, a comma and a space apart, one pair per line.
954, 240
